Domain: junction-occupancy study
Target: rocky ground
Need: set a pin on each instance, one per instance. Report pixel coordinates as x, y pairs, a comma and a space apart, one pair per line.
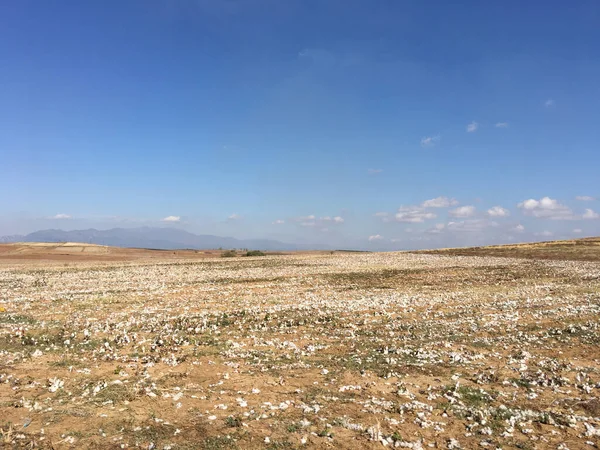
361, 350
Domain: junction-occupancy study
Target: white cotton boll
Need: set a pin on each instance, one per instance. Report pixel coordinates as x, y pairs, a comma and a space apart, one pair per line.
55, 384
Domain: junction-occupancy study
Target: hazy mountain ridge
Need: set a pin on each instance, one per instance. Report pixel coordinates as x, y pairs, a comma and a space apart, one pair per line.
149, 237
12, 238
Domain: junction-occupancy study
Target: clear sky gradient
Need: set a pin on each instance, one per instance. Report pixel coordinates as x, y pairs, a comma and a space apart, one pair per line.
306, 121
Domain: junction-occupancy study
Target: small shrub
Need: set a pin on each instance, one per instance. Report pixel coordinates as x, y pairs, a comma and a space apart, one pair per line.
293, 427
255, 253
325, 433
474, 397
396, 437
229, 254
233, 422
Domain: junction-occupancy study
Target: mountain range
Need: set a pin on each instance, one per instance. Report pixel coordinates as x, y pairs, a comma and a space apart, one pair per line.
150, 237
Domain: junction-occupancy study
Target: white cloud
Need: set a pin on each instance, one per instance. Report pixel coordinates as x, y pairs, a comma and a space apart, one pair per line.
234, 216
577, 231
413, 214
501, 125
471, 225
519, 228
585, 198
439, 227
549, 103
498, 211
374, 171
429, 141
545, 234
304, 218
61, 217
439, 202
336, 219
279, 222
313, 221
171, 219
590, 214
463, 211
375, 237
546, 208
472, 127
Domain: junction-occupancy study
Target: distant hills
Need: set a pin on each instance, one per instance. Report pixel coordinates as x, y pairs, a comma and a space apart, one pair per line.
150, 237
9, 239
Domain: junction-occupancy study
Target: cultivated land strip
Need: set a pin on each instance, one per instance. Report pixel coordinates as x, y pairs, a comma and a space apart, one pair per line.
348, 350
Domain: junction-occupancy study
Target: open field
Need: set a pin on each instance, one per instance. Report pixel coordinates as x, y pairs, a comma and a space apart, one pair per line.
587, 249
315, 350
73, 252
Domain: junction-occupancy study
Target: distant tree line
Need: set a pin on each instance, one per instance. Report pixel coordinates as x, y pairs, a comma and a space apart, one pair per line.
245, 252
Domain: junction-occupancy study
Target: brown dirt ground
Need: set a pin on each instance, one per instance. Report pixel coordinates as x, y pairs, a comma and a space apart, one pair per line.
308, 350
72, 252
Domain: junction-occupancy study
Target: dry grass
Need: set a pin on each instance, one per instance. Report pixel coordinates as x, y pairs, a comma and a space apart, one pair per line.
586, 249
73, 252
350, 350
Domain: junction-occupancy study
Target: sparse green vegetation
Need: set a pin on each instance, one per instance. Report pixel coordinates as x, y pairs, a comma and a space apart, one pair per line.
233, 421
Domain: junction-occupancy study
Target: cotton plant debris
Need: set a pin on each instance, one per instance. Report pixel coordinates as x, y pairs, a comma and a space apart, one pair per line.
350, 350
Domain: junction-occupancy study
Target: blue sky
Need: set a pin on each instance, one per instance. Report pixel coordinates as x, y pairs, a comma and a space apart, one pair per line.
307, 121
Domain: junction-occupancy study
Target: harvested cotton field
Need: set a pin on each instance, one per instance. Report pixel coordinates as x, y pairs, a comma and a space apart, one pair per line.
341, 350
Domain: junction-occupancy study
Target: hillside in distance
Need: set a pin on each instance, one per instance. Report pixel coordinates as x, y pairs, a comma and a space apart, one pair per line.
150, 237
584, 249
